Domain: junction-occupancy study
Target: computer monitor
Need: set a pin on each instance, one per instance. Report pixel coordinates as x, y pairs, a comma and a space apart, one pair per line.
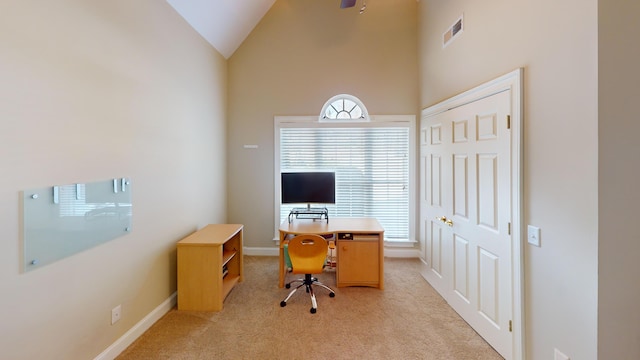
308, 187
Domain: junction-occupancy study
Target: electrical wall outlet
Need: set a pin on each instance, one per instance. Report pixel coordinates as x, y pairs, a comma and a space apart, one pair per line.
116, 312
533, 235
558, 355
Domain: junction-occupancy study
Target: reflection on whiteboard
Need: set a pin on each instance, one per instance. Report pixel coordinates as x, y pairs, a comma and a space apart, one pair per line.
60, 221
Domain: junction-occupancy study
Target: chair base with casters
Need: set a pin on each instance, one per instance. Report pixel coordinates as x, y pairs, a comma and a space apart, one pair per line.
308, 282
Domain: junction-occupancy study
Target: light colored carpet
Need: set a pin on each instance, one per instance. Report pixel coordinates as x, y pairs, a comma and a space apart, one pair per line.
406, 320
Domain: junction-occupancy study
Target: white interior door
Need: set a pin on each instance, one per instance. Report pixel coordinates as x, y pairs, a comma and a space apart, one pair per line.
467, 214
434, 204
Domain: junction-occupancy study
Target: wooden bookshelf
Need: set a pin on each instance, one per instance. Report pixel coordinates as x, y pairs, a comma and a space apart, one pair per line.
209, 266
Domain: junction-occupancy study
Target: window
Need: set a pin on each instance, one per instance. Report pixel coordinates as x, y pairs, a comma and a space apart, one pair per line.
344, 107
370, 157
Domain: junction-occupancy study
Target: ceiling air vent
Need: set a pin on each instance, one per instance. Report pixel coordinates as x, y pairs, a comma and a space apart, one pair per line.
452, 32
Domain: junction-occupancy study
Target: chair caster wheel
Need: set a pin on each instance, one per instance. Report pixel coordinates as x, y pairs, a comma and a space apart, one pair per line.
283, 304
332, 294
313, 311
288, 286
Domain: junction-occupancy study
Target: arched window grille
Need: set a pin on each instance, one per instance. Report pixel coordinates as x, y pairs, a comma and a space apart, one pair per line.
344, 107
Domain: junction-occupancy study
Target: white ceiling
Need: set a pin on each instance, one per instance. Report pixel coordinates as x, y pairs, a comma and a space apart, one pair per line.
223, 23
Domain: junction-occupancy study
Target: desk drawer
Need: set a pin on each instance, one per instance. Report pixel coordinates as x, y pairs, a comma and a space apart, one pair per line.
366, 237
358, 237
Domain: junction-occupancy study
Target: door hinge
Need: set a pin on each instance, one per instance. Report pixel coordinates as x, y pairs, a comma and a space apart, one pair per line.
508, 121
510, 326
509, 228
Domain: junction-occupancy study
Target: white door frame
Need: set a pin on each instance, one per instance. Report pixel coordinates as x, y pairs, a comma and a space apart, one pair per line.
512, 81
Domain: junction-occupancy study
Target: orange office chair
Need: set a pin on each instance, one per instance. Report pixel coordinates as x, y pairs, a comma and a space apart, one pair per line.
308, 254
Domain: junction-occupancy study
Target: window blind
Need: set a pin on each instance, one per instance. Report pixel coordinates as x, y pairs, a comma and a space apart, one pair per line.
371, 166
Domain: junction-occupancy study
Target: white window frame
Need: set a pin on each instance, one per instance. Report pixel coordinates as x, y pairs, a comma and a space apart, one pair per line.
355, 100
374, 121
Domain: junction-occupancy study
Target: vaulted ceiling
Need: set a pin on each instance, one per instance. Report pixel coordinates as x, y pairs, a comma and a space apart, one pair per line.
223, 23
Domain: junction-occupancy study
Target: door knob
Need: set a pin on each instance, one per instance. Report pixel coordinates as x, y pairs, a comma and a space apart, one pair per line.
445, 220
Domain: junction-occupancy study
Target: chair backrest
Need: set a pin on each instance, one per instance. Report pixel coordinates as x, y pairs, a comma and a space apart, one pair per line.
308, 254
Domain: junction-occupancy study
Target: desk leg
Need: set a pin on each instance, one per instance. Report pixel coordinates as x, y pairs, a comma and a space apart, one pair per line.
281, 261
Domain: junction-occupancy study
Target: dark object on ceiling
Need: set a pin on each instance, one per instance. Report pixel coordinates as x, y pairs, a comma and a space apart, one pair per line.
347, 3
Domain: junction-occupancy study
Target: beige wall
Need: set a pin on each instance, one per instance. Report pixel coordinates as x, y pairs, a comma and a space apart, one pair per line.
302, 53
556, 43
619, 151
91, 90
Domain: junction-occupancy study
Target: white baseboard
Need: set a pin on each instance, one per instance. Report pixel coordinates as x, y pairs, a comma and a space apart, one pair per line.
261, 251
137, 330
395, 252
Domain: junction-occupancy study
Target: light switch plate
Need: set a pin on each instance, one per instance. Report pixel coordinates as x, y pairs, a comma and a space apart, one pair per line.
116, 312
533, 235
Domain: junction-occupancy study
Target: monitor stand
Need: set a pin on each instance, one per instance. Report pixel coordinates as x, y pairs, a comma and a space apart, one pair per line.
309, 213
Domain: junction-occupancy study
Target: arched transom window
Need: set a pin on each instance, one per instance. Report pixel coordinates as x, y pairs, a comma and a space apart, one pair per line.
344, 107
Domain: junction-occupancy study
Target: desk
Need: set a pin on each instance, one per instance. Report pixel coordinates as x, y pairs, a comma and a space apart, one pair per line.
359, 243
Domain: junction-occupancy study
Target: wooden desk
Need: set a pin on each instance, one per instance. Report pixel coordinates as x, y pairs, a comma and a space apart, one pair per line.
359, 243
